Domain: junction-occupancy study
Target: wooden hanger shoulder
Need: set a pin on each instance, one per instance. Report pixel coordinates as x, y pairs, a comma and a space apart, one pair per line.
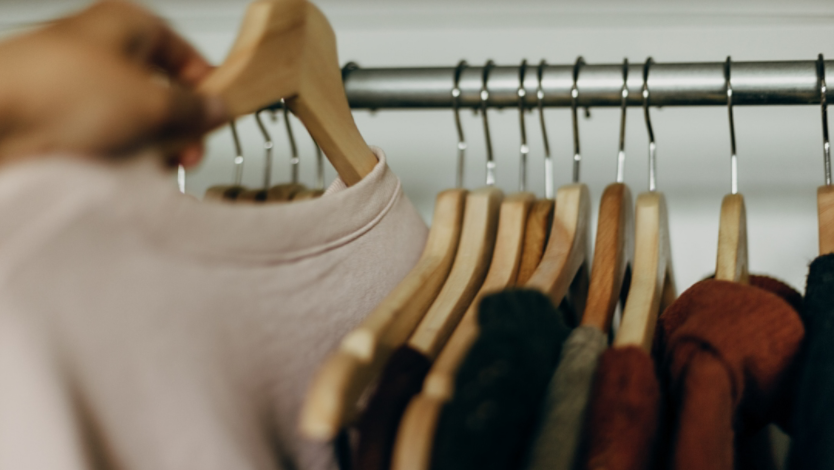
416, 432
415, 435
477, 239
567, 248
308, 194
731, 263
224, 193
502, 273
331, 400
284, 192
287, 49
652, 279
535, 238
825, 212
613, 252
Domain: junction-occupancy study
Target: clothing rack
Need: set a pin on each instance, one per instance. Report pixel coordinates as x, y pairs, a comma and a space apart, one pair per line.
670, 84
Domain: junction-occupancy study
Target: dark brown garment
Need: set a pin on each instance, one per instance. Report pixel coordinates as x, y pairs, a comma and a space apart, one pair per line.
377, 429
624, 412
729, 350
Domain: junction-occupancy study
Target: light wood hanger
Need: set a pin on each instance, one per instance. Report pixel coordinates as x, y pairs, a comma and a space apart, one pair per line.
731, 263
652, 279
567, 248
287, 49
415, 436
475, 251
825, 194
330, 403
614, 247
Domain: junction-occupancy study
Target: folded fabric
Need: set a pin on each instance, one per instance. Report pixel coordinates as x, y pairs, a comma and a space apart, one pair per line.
624, 413
501, 383
729, 350
558, 439
812, 446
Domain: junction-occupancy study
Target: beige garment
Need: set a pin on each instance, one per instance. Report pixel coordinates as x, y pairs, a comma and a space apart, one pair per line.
144, 330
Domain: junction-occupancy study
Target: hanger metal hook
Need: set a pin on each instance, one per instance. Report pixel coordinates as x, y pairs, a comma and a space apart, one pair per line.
268, 145
490, 165
826, 145
294, 160
733, 157
456, 109
623, 105
652, 146
574, 97
238, 155
524, 150
548, 161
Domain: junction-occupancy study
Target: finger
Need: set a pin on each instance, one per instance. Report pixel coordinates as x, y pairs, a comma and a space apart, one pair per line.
190, 114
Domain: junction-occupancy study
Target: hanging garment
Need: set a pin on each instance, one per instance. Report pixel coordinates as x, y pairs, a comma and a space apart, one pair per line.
377, 429
813, 419
559, 438
142, 329
624, 412
729, 353
501, 383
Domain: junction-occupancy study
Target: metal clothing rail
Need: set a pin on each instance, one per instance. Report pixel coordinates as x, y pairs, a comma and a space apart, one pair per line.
671, 84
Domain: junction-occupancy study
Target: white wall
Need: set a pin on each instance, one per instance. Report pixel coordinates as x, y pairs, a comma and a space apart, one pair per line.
779, 147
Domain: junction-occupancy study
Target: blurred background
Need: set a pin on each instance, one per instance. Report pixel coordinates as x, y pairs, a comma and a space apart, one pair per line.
779, 147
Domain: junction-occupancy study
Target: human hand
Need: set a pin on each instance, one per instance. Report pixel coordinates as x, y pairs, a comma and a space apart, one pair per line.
109, 81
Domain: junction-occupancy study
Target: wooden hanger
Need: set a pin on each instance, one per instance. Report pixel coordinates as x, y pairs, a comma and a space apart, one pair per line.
416, 431
652, 278
330, 403
825, 194
536, 234
731, 262
287, 49
614, 247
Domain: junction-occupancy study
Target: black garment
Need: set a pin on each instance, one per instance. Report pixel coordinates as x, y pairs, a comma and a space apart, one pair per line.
812, 446
501, 383
401, 380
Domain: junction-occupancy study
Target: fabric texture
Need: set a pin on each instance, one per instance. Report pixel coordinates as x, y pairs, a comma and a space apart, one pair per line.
728, 360
812, 446
146, 330
624, 412
401, 380
501, 383
558, 440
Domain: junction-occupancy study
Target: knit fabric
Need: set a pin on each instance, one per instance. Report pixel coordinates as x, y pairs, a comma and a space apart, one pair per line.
400, 381
558, 441
624, 412
501, 383
728, 353
812, 446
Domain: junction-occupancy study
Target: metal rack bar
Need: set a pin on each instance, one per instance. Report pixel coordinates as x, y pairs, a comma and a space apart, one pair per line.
671, 84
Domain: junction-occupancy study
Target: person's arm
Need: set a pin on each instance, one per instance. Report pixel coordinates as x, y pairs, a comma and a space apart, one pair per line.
109, 81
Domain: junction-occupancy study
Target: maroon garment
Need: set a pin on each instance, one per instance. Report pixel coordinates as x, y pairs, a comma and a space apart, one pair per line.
624, 411
728, 354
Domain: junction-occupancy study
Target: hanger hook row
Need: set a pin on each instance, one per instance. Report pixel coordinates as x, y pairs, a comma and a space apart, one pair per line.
456, 110
524, 150
490, 164
652, 146
548, 161
574, 98
623, 105
826, 145
238, 154
733, 156
268, 145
